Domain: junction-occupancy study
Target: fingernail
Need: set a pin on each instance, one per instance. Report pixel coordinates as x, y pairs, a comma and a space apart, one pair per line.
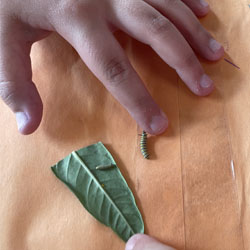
159, 123
203, 3
206, 82
21, 119
214, 45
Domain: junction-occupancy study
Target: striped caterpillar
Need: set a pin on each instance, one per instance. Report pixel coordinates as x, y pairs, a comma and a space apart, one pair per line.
143, 145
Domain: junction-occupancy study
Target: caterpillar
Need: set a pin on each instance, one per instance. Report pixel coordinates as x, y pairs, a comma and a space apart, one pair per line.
143, 145
104, 167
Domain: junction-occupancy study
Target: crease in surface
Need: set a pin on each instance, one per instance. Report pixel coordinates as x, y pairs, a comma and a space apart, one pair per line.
226, 120
181, 161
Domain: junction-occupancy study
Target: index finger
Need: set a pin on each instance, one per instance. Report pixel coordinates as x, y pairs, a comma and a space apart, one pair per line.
106, 59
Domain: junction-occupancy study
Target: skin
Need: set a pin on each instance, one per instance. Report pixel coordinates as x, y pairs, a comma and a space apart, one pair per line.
144, 242
170, 27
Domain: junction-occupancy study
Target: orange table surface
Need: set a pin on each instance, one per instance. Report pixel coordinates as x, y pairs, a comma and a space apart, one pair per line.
190, 195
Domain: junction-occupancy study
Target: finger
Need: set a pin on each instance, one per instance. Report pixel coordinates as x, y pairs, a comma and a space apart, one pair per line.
16, 87
199, 7
146, 24
106, 59
187, 23
144, 242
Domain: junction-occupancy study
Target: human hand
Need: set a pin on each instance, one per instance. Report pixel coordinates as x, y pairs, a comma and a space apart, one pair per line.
168, 26
144, 242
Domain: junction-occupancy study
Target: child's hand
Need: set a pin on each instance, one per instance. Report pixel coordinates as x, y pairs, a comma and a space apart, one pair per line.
168, 26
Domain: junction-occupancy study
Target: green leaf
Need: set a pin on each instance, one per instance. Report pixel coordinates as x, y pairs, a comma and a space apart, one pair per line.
104, 193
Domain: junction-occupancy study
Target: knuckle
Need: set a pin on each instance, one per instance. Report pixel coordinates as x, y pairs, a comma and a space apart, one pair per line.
198, 30
8, 91
187, 60
116, 71
144, 104
159, 25
172, 3
73, 8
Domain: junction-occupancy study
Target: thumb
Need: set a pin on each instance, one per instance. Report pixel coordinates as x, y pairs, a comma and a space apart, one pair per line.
144, 242
16, 87
24, 100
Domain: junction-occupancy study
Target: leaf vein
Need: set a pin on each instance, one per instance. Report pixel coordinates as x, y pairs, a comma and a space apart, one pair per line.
105, 193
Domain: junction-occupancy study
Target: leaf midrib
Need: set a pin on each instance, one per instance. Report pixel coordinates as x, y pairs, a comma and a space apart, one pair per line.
100, 186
